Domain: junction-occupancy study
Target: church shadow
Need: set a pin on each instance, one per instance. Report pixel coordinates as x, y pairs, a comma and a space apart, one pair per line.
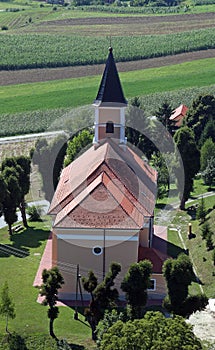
22, 241
173, 250
167, 248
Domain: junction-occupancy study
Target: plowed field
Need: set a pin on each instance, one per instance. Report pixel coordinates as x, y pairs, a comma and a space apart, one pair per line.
38, 75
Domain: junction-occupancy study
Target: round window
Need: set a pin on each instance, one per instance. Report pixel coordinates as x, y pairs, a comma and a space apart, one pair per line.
97, 250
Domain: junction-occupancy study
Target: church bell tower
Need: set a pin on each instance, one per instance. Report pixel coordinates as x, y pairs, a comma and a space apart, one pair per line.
110, 105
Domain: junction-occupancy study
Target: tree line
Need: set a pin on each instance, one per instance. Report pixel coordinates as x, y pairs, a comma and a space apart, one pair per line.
195, 141
132, 3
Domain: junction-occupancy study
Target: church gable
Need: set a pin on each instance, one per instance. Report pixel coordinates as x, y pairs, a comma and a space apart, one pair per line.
121, 166
101, 204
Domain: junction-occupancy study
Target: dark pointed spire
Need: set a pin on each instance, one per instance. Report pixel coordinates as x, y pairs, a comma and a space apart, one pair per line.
110, 90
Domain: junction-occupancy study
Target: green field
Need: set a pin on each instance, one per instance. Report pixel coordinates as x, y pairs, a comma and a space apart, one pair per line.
82, 91
26, 51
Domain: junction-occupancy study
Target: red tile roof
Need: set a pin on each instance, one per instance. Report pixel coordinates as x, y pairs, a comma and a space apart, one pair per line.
126, 181
155, 256
178, 114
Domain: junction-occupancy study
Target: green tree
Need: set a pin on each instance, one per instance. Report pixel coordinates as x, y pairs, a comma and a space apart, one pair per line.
154, 331
208, 132
12, 196
110, 317
207, 152
135, 285
76, 145
103, 295
209, 241
24, 182
52, 281
179, 276
7, 307
205, 230
34, 213
135, 117
163, 114
201, 211
3, 193
199, 113
208, 174
22, 164
163, 181
190, 155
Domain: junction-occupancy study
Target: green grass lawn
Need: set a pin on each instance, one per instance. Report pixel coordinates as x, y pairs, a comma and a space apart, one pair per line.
82, 91
31, 317
202, 258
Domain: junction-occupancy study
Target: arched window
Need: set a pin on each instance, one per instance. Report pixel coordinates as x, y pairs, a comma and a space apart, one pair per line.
109, 128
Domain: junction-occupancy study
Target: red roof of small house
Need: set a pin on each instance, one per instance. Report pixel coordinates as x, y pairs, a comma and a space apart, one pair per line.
105, 187
178, 114
155, 256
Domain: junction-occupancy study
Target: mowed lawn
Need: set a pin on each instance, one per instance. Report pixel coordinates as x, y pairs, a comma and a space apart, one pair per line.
82, 91
19, 271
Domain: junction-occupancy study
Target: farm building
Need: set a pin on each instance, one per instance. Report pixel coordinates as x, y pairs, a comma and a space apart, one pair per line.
178, 115
103, 206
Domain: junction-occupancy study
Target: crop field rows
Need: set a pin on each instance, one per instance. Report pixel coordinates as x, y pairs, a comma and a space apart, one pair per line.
43, 50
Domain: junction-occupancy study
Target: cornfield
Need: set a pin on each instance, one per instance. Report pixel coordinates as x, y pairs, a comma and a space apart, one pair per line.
25, 51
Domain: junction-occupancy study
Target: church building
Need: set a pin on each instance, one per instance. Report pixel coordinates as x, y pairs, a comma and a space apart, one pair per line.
103, 208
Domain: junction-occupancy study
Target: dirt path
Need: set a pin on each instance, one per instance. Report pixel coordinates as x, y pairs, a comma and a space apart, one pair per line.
39, 75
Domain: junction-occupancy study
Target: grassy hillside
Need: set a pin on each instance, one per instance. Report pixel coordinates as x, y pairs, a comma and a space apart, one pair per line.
81, 91
200, 256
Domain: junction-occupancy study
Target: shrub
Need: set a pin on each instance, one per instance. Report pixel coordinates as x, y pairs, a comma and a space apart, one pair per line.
209, 241
4, 28
201, 212
63, 345
194, 303
34, 213
16, 342
205, 230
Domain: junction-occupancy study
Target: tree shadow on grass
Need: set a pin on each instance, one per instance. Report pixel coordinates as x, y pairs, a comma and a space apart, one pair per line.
76, 347
164, 205
22, 241
191, 211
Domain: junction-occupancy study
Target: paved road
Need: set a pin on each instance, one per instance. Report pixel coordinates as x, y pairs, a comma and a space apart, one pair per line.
12, 139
